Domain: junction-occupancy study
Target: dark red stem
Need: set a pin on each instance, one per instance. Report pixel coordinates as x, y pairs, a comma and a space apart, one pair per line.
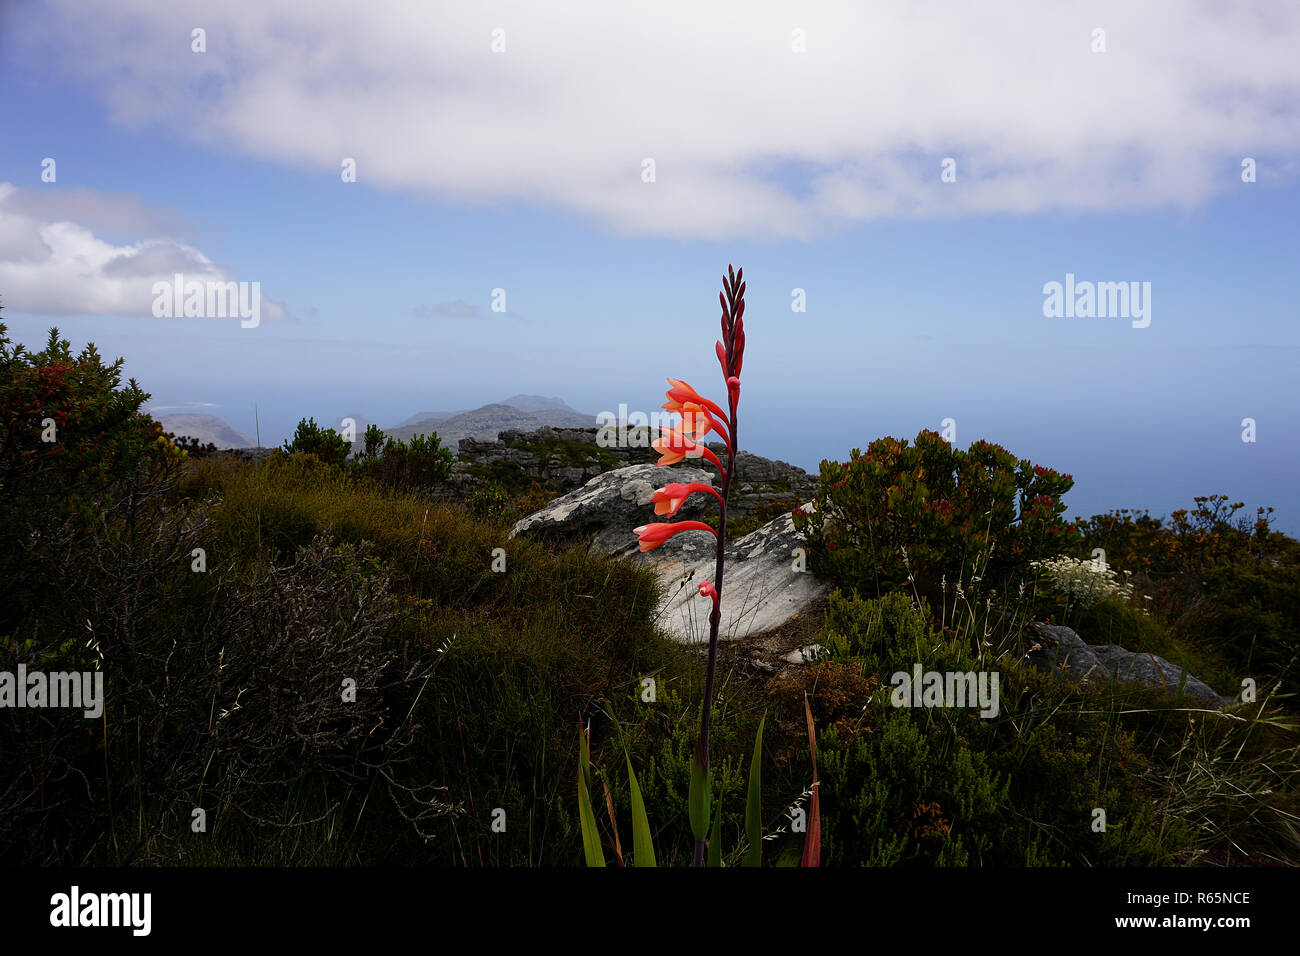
715, 617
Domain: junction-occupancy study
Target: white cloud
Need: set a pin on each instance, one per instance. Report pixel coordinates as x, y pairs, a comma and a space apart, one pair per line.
56, 266
116, 213
713, 93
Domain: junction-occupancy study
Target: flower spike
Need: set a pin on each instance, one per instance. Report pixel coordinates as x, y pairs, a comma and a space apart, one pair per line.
699, 417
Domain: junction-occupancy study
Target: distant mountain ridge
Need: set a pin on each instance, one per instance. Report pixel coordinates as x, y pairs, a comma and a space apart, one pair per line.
521, 402
205, 428
429, 417
485, 423
539, 403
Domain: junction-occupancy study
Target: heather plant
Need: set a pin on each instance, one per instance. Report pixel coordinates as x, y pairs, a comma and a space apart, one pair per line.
904, 516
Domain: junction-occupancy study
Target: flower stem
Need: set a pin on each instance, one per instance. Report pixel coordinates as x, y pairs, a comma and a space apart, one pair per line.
716, 616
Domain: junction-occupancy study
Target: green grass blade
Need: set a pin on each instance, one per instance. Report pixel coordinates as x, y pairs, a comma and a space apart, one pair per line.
754, 805
643, 851
586, 816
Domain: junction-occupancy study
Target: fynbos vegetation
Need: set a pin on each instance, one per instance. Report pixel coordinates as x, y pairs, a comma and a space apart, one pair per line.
314, 658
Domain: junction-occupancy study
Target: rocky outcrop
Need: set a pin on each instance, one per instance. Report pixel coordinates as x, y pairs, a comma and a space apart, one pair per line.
566, 458
1060, 650
487, 422
763, 587
603, 512
563, 458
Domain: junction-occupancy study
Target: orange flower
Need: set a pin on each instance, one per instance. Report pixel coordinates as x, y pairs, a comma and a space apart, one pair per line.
671, 497
652, 536
696, 422
682, 394
698, 413
674, 447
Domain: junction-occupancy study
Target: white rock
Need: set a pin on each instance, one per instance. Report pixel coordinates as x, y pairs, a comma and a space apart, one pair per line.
761, 589
804, 655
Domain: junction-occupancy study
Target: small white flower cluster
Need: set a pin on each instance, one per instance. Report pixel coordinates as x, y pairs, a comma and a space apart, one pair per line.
1083, 580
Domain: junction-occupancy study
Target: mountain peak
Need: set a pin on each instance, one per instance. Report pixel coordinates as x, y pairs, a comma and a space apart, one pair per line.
537, 403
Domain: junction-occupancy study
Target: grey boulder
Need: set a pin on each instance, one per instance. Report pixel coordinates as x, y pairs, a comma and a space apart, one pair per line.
1060, 650
763, 586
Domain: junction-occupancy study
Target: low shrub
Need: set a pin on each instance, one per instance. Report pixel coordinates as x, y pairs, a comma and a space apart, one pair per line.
70, 433
1217, 579
902, 515
418, 464
325, 443
947, 786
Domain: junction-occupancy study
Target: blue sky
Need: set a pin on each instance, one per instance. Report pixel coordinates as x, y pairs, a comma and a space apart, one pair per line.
816, 169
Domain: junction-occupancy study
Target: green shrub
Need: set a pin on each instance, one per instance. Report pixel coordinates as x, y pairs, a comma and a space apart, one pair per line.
418, 464
946, 786
1217, 579
529, 649
325, 443
489, 502
70, 433
223, 691
904, 515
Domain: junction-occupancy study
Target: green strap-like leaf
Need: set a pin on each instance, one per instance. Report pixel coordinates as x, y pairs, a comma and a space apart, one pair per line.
715, 841
586, 816
643, 851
